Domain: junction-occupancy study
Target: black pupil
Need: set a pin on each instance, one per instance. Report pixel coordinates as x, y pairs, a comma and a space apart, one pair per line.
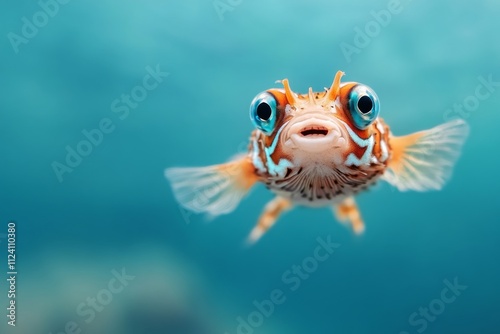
264, 111
365, 104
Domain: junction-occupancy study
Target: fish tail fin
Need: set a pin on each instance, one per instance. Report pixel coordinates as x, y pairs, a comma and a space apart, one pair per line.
424, 160
216, 189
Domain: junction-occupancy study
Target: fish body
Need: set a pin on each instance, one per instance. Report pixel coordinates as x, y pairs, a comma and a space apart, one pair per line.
319, 179
320, 149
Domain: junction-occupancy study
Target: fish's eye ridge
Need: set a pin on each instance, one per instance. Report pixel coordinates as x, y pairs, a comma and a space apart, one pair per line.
263, 112
364, 106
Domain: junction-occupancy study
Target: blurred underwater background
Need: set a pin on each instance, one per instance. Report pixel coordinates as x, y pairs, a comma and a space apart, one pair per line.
99, 97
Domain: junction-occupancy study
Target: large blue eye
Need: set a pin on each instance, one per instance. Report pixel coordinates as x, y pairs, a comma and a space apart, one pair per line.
363, 105
263, 112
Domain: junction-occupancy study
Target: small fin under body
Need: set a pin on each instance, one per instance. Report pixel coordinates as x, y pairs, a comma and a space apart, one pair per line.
216, 189
347, 212
272, 211
424, 160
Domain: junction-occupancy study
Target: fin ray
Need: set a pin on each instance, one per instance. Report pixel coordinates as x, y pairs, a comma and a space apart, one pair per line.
216, 189
424, 160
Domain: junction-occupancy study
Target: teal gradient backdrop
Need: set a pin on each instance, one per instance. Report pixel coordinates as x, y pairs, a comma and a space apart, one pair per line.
113, 209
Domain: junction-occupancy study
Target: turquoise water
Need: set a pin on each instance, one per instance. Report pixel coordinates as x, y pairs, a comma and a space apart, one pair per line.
111, 208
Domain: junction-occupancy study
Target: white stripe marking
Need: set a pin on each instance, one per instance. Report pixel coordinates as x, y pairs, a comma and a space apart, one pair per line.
380, 128
257, 161
352, 159
385, 151
280, 168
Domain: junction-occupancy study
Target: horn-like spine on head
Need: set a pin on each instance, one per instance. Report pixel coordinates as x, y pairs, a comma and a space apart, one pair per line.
290, 95
334, 90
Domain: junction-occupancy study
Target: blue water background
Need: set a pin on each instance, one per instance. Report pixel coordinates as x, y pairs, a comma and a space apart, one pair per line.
115, 209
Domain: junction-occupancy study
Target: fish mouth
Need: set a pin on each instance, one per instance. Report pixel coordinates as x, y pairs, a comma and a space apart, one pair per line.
315, 134
314, 131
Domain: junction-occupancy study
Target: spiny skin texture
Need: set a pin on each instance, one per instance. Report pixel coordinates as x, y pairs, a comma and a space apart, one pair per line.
320, 179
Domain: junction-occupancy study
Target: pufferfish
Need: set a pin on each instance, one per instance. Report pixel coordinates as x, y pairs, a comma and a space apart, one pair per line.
320, 149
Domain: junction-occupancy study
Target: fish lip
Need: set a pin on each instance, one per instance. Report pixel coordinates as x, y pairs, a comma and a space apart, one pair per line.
313, 122
328, 135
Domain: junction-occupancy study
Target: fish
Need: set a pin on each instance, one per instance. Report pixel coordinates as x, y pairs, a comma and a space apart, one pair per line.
320, 149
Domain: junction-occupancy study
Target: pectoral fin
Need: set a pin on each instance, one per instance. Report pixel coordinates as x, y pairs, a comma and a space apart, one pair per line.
216, 189
424, 160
